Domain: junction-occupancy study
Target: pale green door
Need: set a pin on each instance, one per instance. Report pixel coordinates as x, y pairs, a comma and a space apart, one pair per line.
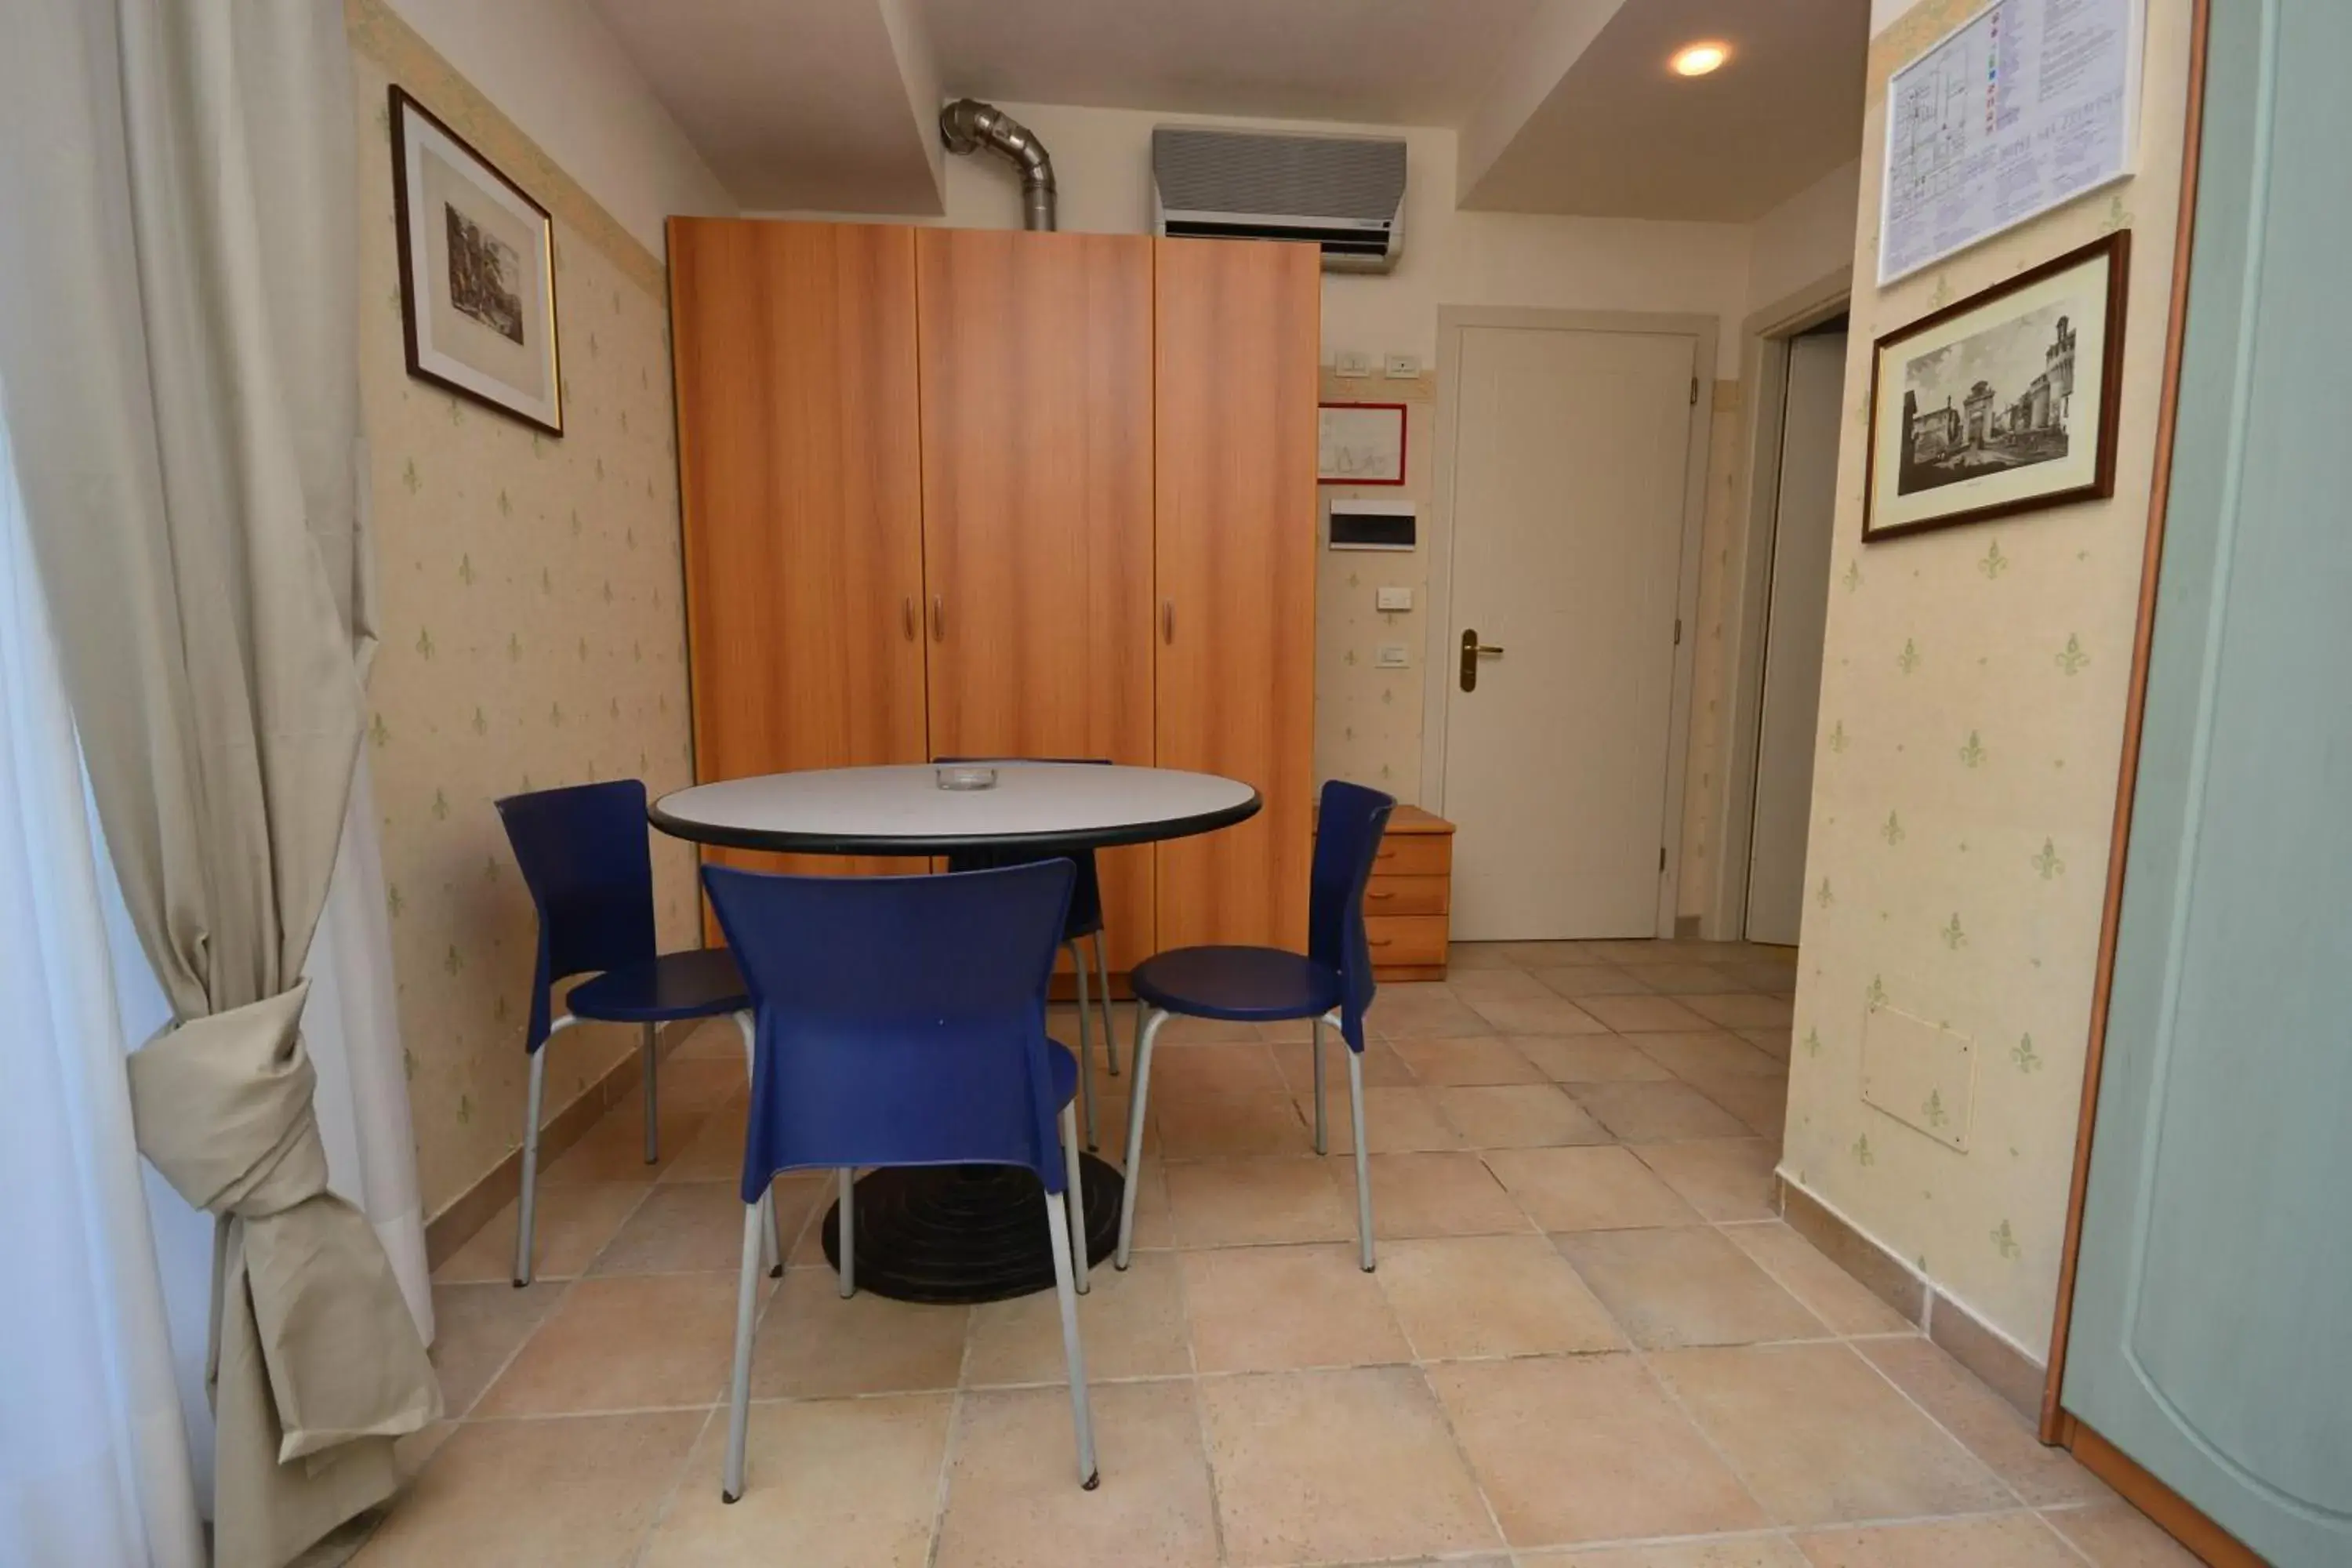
2212, 1333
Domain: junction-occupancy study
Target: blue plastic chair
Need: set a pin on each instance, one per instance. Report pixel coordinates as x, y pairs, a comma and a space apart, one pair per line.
1332, 982
901, 1021
584, 858
1085, 924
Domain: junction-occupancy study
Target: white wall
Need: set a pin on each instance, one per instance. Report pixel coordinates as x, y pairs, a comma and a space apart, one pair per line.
556, 71
1804, 238
1102, 163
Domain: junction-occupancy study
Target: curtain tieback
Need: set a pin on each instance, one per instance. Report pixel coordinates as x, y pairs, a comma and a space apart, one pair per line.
223, 1108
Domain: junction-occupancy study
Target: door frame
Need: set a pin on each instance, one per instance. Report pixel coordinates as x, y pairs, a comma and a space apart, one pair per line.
1764, 372
1437, 667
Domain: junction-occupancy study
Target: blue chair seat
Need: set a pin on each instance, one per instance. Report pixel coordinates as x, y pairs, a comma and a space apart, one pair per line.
1241, 985
699, 985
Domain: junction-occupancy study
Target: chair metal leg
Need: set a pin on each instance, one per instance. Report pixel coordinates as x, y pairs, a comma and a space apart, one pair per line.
1073, 1196
1148, 1031
848, 1232
652, 1110
1322, 1141
1085, 1044
1363, 1169
757, 1220
1081, 1411
772, 1257
526, 1206
1110, 1027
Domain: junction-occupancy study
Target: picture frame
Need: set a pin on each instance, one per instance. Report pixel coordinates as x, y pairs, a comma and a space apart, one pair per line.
2005, 402
1360, 444
477, 273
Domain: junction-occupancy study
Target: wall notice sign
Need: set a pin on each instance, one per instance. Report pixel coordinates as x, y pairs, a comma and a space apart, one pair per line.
2027, 104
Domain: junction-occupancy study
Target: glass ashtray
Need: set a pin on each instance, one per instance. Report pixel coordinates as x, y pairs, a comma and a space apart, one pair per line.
966, 778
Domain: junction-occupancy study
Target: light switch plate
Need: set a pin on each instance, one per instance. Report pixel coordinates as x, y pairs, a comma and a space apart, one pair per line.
1403, 367
1394, 599
1391, 656
1352, 365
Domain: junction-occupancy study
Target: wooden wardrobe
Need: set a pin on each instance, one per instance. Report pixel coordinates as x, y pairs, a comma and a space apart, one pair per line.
1000, 493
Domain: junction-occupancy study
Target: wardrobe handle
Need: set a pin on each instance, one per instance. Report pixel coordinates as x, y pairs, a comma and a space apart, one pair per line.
1168, 620
939, 619
906, 615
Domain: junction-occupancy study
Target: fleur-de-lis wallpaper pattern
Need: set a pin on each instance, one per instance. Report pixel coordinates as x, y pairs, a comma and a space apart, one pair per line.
1972, 704
532, 636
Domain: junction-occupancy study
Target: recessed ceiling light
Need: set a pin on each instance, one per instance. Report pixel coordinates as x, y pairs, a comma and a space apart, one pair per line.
1697, 59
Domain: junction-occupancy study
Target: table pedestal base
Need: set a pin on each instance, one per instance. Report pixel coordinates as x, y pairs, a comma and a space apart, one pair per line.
966, 1233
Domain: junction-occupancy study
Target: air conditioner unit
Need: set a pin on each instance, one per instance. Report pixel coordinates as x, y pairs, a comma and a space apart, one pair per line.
1345, 193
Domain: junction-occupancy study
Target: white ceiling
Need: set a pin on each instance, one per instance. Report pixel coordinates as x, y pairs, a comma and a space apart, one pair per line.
825, 105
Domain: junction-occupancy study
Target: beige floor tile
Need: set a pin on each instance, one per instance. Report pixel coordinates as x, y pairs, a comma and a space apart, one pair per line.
1821, 1438
1685, 1286
1130, 1320
813, 1345
1576, 980
1589, 1058
714, 1039
1835, 1296
1585, 1448
697, 1227
1277, 1309
1469, 955
715, 1153
1433, 1194
1760, 1103
1773, 1043
1383, 1068
477, 1330
1396, 1120
570, 1228
624, 1343
833, 1483
1013, 1498
1517, 1116
1642, 1014
1657, 1112
1987, 1425
1466, 1060
1243, 1203
614, 1150
1214, 1071
1598, 1188
1178, 1030
1475, 985
2010, 1540
1229, 1126
593, 1485
1404, 1012
694, 1083
1467, 1295
1723, 1178
412, 1451
1322, 1467
1155, 1228
1772, 1551
1691, 980
1287, 1031
1554, 954
1707, 1051
1743, 1011
2117, 1535
1546, 1014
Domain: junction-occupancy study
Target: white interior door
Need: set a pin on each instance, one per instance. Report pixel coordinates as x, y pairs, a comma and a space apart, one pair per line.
1798, 605
1570, 456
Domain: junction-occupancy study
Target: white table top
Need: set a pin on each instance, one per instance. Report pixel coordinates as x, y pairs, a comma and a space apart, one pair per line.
901, 810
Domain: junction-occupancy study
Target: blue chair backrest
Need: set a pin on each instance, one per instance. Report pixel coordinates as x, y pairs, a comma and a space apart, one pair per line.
1348, 830
901, 1020
1086, 893
585, 859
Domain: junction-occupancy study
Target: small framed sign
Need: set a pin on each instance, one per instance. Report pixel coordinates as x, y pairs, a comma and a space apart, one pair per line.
1361, 444
477, 273
2004, 403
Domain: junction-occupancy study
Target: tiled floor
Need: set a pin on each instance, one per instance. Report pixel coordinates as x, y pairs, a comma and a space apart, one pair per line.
1589, 1344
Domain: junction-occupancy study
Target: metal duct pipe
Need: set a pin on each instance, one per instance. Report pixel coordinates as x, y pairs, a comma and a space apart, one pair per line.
967, 125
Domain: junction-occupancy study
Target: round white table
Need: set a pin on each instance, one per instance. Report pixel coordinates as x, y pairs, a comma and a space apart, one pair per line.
963, 1232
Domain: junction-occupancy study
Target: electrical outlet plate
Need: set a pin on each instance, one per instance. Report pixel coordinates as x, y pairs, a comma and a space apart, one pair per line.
1391, 656
1393, 599
1352, 365
1403, 367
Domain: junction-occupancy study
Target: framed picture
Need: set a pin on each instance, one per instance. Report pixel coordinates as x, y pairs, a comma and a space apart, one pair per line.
477, 273
1361, 444
2004, 403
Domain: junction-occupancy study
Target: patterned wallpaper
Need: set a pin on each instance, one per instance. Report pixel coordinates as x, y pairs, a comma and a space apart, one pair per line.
1972, 707
1711, 660
532, 633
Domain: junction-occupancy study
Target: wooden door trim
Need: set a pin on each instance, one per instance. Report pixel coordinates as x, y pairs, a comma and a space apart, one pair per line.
2174, 1514
1437, 667
2056, 1424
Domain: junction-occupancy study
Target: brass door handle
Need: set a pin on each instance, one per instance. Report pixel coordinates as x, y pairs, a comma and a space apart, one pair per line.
939, 619
906, 615
1473, 650
1168, 620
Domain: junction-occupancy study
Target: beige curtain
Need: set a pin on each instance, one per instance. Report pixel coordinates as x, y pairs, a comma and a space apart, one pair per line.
177, 328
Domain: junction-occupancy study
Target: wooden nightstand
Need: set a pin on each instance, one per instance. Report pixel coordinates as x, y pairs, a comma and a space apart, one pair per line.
1411, 890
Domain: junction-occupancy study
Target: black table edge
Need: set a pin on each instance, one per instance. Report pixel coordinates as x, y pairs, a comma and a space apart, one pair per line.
948, 843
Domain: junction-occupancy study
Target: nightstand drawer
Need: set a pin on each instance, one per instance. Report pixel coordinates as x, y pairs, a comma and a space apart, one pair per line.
1406, 940
1414, 855
1408, 895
